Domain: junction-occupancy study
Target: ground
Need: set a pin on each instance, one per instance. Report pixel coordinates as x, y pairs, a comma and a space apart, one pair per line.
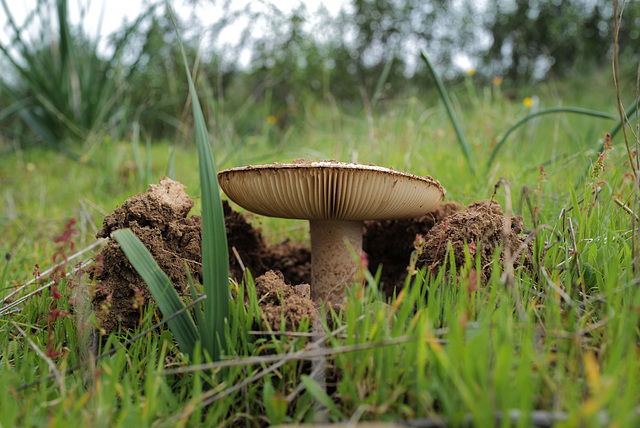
159, 217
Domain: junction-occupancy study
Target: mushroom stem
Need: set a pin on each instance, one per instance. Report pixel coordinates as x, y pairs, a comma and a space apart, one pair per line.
332, 264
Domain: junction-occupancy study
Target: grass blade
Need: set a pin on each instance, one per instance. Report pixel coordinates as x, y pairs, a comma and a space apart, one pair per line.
194, 295
137, 156
215, 258
320, 395
381, 81
528, 117
161, 288
462, 139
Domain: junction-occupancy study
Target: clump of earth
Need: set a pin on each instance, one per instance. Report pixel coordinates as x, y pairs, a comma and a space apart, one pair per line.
481, 227
159, 217
283, 303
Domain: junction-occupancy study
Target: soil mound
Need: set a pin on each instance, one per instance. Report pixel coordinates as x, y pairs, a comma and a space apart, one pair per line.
159, 219
280, 302
481, 225
390, 242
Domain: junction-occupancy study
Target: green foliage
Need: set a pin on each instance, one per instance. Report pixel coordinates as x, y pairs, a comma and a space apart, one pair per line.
61, 90
546, 36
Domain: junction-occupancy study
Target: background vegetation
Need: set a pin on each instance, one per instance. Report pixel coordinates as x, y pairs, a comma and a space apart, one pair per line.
61, 90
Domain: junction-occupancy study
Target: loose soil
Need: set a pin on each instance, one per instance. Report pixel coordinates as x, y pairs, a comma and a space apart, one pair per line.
280, 302
159, 219
482, 225
282, 272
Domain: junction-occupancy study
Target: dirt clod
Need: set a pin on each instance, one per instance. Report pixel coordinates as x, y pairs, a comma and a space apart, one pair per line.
160, 205
279, 301
482, 226
159, 219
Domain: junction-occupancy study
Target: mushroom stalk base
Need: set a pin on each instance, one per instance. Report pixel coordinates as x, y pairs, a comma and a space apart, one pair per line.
332, 263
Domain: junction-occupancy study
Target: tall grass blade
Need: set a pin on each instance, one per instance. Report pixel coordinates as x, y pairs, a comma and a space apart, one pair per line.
5, 271
194, 295
552, 110
137, 156
161, 288
462, 139
215, 256
171, 167
149, 164
381, 81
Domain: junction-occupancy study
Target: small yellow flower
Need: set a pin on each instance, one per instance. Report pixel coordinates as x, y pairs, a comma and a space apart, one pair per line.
471, 72
84, 158
528, 102
271, 120
497, 81
31, 167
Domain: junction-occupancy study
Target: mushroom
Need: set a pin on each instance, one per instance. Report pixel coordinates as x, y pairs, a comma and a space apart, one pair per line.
336, 198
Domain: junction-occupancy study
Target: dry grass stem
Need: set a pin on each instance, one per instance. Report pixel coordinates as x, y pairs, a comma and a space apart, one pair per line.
580, 333
626, 208
209, 398
5, 309
239, 259
48, 271
557, 289
305, 354
576, 261
617, 19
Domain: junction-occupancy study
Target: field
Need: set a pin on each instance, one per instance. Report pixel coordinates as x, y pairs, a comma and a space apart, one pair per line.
529, 348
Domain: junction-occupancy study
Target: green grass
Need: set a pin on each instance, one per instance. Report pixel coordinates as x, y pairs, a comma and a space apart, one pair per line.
438, 351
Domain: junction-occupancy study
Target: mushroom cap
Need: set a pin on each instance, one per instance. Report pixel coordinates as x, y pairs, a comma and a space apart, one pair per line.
330, 190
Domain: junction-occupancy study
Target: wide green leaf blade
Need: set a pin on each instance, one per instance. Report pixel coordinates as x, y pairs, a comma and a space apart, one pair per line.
161, 288
215, 255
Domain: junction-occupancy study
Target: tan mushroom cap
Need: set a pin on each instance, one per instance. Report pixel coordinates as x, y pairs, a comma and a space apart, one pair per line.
330, 190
